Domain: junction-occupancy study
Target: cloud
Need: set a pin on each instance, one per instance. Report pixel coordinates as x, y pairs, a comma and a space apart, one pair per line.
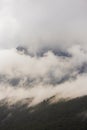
43, 49
23, 76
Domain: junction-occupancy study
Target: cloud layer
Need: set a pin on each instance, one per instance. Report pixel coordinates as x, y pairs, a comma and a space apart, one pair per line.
23, 76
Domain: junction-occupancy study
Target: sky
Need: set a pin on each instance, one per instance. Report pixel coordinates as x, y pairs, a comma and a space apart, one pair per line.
43, 49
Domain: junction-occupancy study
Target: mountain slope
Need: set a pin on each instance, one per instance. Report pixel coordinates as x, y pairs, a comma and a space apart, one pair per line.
64, 115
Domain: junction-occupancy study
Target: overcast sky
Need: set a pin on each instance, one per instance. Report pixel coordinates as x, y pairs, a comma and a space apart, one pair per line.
35, 23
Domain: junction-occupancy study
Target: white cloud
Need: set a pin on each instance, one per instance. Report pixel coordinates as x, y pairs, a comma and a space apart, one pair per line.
43, 73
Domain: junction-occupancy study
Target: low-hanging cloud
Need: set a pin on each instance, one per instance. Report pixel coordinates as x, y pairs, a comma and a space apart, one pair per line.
23, 76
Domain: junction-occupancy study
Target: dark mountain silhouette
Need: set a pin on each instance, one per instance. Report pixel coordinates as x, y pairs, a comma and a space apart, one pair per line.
64, 115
